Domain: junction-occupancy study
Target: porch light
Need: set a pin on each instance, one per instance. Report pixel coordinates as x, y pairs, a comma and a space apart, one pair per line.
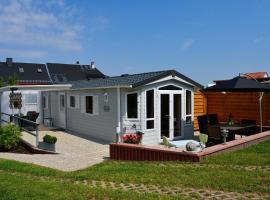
106, 97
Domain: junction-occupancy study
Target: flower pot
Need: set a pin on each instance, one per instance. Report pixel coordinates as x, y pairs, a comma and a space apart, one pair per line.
46, 146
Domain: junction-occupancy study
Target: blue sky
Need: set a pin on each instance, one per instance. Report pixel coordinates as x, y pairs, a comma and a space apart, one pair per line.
204, 40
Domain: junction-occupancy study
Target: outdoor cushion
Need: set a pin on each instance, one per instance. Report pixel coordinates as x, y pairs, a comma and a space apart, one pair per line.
203, 138
182, 143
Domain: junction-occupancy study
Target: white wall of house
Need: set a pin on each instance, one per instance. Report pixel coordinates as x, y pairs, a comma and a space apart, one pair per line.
102, 122
26, 106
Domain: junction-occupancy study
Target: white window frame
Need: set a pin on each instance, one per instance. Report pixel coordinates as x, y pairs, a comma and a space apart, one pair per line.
191, 104
95, 104
135, 92
77, 101
149, 119
30, 103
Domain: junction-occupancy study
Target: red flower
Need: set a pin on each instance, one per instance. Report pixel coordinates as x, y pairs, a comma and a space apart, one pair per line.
132, 138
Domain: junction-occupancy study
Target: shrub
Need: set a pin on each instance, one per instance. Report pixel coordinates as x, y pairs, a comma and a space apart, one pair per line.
49, 139
132, 138
9, 136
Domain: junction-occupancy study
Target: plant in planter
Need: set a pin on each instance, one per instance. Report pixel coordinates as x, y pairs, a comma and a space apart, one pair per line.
48, 143
9, 137
133, 138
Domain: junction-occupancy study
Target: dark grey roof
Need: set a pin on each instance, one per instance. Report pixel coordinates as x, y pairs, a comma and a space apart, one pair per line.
61, 73
239, 84
31, 73
134, 80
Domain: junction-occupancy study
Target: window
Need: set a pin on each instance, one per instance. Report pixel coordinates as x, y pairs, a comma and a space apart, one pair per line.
150, 109
72, 101
89, 105
188, 107
62, 101
132, 106
45, 101
170, 87
30, 98
39, 70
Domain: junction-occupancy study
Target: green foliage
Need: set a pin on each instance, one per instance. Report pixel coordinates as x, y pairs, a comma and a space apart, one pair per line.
49, 139
9, 136
12, 80
2, 83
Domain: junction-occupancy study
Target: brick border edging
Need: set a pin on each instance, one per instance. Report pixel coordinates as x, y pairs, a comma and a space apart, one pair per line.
132, 152
236, 144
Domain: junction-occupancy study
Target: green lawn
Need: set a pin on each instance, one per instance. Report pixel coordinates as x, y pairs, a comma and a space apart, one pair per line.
241, 171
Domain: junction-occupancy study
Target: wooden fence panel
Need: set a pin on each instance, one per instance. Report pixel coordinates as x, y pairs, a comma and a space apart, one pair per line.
200, 107
240, 105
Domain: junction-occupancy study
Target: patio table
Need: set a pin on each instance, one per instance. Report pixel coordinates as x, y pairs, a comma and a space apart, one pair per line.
236, 127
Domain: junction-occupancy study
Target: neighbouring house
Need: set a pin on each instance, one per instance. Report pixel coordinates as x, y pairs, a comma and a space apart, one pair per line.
33, 78
156, 103
27, 74
61, 73
257, 75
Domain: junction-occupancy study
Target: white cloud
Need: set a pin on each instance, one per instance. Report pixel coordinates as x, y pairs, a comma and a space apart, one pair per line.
38, 24
188, 44
23, 53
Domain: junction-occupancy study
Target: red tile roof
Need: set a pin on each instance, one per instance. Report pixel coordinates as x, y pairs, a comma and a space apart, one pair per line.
257, 75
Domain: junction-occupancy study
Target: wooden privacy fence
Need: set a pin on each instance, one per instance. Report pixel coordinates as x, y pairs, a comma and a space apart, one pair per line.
200, 107
240, 104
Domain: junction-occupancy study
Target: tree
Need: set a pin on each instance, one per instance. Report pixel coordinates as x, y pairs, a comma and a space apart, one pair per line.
12, 80
2, 83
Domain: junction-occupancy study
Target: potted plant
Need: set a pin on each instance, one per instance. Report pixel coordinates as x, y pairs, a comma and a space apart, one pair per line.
48, 143
133, 138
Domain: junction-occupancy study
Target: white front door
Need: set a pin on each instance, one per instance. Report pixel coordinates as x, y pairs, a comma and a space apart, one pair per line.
62, 110
170, 112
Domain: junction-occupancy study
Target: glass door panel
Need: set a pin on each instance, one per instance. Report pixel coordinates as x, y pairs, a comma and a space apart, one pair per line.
177, 115
165, 115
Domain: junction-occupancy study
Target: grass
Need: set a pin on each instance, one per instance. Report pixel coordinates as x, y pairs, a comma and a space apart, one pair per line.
217, 173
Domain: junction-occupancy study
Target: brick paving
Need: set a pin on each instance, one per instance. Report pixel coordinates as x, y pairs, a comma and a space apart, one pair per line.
74, 153
192, 193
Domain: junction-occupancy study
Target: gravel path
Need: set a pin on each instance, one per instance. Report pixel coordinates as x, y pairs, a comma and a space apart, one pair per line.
75, 152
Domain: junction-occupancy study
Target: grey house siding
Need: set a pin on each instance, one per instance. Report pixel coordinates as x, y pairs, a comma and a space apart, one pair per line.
101, 126
53, 108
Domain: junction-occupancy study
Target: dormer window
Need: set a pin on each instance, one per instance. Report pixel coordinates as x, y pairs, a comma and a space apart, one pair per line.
21, 70
39, 70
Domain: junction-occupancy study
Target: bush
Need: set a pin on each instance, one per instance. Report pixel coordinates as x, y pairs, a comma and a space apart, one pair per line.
49, 139
9, 136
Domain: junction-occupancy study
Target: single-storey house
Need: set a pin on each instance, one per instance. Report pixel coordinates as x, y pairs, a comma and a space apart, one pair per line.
32, 78
156, 103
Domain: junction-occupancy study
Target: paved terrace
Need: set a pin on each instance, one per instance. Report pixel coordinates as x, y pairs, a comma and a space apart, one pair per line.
74, 153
